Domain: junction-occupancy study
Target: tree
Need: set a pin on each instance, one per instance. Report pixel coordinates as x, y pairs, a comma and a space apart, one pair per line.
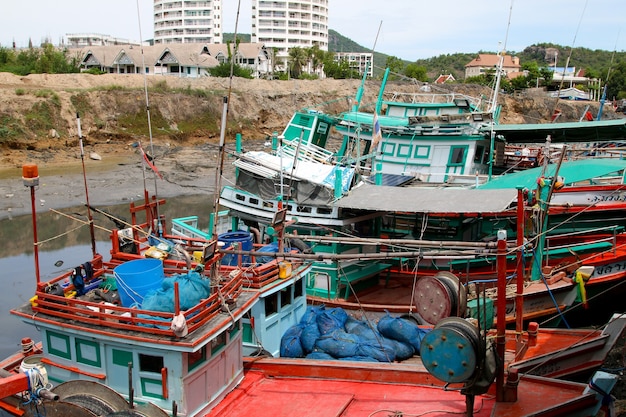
416, 72
616, 85
315, 58
338, 70
298, 58
395, 65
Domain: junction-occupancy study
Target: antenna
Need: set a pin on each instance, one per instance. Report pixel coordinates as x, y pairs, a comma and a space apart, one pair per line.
571, 49
152, 155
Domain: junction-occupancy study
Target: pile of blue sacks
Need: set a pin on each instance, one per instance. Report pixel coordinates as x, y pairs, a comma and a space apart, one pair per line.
333, 334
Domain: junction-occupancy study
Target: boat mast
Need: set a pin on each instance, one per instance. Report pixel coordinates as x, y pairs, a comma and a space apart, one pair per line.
145, 158
82, 159
606, 83
494, 97
220, 165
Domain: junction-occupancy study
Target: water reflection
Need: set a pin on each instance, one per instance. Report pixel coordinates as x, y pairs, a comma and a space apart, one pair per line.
66, 243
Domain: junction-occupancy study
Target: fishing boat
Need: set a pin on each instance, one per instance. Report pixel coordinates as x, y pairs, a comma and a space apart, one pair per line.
108, 359
380, 241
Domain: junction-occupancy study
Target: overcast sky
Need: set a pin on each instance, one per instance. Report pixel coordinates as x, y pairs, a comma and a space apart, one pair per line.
409, 29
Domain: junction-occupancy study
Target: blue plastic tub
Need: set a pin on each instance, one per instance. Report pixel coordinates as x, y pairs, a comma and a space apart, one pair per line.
135, 279
243, 241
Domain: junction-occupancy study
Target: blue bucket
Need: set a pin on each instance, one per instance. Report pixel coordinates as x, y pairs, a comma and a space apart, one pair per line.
136, 278
244, 241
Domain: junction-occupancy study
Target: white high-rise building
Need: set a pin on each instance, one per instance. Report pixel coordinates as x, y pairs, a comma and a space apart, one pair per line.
187, 21
284, 24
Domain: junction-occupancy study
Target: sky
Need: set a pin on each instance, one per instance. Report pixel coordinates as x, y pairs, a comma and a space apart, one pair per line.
407, 29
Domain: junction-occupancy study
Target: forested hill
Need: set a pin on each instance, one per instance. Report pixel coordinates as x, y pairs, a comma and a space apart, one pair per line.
595, 62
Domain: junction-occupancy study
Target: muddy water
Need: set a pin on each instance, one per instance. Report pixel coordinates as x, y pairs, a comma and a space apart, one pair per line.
65, 244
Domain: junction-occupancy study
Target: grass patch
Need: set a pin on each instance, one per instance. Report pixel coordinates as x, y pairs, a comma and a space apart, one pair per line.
42, 117
81, 103
112, 87
50, 95
137, 123
10, 128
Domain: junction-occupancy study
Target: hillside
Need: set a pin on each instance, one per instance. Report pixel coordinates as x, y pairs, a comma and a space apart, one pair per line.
39, 110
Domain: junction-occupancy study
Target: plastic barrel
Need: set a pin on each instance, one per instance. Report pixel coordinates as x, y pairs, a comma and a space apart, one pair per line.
243, 241
134, 279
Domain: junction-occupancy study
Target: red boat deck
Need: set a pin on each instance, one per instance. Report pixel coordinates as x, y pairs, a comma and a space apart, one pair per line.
346, 389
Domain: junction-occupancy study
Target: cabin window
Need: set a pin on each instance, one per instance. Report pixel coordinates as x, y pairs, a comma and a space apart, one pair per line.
388, 149
150, 363
285, 297
152, 387
324, 210
88, 352
322, 128
248, 333
234, 331
422, 152
194, 359
478, 156
271, 304
298, 290
404, 151
122, 357
457, 155
218, 343
59, 345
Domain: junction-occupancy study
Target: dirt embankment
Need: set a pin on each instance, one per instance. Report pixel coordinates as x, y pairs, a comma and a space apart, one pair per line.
39, 125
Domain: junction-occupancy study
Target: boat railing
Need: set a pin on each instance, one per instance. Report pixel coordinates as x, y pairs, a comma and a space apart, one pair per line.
589, 238
188, 227
400, 97
110, 317
306, 151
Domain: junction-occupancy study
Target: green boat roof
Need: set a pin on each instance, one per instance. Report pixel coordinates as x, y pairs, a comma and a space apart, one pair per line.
571, 171
368, 119
593, 131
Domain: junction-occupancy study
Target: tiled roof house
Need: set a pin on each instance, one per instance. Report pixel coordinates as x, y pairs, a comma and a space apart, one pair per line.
484, 63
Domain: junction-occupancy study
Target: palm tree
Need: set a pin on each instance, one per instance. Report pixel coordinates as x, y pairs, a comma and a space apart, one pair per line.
297, 59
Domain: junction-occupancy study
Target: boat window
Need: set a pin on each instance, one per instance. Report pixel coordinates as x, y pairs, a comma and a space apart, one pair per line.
218, 343
88, 352
122, 357
271, 304
285, 296
458, 155
235, 330
298, 290
404, 151
422, 152
59, 345
478, 156
196, 358
150, 363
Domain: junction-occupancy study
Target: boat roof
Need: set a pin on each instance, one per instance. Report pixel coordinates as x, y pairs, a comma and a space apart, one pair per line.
427, 199
571, 171
368, 118
570, 132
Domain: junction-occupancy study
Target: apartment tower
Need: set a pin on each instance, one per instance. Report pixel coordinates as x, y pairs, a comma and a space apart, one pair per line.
285, 24
187, 21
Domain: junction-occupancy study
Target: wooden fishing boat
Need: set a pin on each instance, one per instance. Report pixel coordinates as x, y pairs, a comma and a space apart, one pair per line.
190, 361
379, 241
203, 371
